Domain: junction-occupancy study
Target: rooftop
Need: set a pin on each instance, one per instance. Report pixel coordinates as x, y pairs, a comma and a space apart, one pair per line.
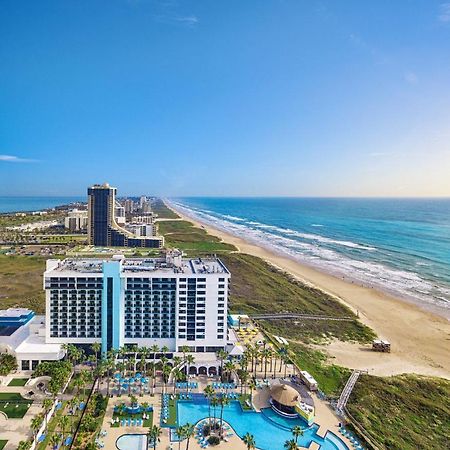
140, 265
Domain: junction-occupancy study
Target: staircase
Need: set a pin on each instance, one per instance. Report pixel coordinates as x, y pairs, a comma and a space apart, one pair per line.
345, 394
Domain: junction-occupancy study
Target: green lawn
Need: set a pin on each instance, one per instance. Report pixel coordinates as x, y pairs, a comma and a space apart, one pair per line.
2, 444
172, 419
242, 400
14, 405
405, 412
147, 422
18, 382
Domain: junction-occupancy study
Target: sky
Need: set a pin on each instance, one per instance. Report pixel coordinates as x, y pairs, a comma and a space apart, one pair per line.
225, 97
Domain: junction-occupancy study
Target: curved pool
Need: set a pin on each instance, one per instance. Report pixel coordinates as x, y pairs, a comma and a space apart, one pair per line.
270, 430
132, 442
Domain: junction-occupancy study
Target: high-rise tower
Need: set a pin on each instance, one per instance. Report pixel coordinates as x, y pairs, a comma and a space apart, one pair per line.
103, 230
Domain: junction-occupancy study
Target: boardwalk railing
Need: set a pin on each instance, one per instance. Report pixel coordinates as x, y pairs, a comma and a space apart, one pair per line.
300, 316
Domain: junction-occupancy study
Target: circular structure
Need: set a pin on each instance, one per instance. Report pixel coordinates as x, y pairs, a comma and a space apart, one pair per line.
284, 399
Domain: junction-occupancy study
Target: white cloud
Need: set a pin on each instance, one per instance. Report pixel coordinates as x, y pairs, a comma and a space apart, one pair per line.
188, 20
15, 159
411, 77
444, 12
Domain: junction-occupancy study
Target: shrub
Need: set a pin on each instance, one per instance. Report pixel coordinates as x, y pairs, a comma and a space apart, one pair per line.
8, 363
213, 440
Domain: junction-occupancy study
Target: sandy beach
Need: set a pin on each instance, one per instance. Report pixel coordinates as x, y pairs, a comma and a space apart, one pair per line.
420, 340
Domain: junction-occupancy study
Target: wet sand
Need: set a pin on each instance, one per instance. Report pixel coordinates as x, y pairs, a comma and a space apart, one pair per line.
420, 340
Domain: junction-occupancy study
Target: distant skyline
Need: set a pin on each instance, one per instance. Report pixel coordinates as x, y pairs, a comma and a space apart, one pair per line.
225, 98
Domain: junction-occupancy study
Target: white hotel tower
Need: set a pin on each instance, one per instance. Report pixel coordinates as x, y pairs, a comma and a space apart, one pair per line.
121, 301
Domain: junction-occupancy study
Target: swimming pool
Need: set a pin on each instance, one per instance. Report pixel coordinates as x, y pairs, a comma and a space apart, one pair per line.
269, 429
132, 442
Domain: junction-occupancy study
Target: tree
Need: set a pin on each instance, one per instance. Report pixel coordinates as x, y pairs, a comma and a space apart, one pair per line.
252, 386
47, 406
54, 440
153, 435
154, 349
290, 445
188, 433
249, 441
8, 363
229, 368
24, 445
267, 354
224, 401
177, 376
297, 432
221, 355
181, 435
209, 394
36, 423
214, 404
63, 422
189, 360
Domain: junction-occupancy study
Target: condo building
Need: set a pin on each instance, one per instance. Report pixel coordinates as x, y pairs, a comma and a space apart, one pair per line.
168, 301
103, 227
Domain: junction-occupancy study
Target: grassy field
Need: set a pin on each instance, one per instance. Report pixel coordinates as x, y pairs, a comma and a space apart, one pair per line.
14, 405
2, 444
162, 210
18, 382
406, 412
21, 282
192, 240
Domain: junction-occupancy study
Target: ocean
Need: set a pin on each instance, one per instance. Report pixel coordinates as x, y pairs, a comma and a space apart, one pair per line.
21, 204
401, 246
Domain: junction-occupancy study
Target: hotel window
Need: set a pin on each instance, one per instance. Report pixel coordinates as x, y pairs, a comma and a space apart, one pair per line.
221, 286
221, 292
221, 279
220, 336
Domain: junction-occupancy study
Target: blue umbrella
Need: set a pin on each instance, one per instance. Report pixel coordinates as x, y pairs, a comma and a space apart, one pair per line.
117, 376
138, 375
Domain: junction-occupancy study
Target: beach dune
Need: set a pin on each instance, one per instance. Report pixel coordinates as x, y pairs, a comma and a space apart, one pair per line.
420, 340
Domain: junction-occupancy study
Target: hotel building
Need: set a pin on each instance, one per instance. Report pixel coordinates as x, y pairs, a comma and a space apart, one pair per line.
169, 301
103, 228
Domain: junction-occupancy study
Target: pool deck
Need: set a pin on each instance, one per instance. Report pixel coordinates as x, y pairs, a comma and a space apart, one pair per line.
325, 417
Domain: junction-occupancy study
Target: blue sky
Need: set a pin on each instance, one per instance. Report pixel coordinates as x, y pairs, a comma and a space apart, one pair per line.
225, 97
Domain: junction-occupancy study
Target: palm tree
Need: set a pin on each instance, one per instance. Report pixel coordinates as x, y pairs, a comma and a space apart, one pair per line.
297, 432
290, 445
249, 441
63, 422
78, 383
252, 386
224, 401
154, 434
54, 440
214, 403
229, 368
96, 348
181, 435
209, 394
24, 445
177, 376
221, 355
189, 360
47, 406
154, 349
243, 376
188, 433
267, 354
36, 423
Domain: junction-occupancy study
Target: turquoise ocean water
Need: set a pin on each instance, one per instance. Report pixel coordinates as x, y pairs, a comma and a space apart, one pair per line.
17, 204
399, 245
